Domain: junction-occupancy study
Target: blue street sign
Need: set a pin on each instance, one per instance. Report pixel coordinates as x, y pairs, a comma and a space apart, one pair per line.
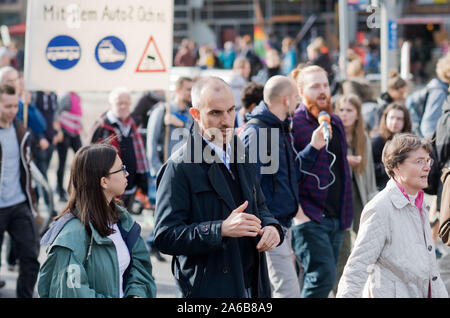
111, 53
63, 52
392, 35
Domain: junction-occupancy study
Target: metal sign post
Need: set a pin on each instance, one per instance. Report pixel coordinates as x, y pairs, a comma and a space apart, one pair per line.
343, 37
388, 38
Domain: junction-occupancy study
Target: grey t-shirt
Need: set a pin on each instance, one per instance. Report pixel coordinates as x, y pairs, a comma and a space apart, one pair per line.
10, 190
156, 134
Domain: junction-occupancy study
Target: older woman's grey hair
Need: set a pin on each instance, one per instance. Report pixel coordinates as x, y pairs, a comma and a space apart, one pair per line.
397, 149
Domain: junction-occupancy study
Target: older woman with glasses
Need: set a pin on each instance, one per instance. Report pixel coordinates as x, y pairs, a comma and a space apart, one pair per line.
394, 256
95, 249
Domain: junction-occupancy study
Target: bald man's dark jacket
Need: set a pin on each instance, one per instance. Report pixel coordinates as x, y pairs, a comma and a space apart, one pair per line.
192, 201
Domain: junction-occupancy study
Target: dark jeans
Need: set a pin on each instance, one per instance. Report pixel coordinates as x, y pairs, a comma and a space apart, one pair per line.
69, 141
316, 246
11, 255
42, 158
18, 221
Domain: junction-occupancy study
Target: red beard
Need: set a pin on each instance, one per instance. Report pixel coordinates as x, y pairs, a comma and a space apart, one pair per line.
315, 109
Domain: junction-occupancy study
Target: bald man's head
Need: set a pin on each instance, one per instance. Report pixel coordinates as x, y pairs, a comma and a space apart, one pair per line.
276, 88
213, 109
206, 88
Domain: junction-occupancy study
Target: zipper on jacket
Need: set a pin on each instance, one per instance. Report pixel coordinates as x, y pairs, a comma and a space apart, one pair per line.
26, 160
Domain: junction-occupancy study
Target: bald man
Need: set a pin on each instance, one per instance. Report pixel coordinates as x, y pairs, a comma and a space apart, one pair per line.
268, 128
210, 211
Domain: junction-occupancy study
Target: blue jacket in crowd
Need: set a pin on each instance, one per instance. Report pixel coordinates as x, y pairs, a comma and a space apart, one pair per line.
438, 91
281, 188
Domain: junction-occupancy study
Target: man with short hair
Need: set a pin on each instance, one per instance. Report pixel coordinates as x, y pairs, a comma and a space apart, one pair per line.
167, 123
36, 121
118, 128
164, 120
280, 187
17, 200
325, 194
251, 96
210, 211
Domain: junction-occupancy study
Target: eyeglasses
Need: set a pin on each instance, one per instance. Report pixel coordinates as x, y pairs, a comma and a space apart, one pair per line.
123, 169
423, 162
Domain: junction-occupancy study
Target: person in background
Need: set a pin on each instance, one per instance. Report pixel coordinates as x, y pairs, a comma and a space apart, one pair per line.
372, 64
272, 67
438, 91
397, 91
36, 121
360, 159
395, 119
289, 55
164, 121
207, 58
166, 124
141, 114
247, 51
251, 96
318, 54
144, 107
47, 103
68, 115
394, 255
95, 237
18, 202
186, 54
239, 78
227, 55
118, 128
358, 85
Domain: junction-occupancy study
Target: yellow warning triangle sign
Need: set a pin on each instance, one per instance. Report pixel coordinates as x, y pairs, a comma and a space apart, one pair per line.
151, 60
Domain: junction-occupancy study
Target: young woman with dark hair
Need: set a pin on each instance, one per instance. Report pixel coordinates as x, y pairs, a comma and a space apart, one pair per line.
359, 157
395, 119
95, 248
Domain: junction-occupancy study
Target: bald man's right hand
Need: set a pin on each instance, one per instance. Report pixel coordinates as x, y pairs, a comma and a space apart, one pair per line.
239, 223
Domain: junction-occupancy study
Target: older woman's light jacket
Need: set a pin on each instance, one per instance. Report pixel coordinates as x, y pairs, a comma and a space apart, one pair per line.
393, 256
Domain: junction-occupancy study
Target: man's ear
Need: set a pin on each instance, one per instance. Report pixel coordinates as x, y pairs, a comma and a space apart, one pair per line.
286, 101
103, 183
300, 93
195, 113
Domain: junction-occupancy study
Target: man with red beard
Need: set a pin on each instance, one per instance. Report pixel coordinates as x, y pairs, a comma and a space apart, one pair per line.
325, 194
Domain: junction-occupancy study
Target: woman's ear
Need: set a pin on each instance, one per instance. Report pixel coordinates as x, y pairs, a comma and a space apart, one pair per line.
104, 183
396, 171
